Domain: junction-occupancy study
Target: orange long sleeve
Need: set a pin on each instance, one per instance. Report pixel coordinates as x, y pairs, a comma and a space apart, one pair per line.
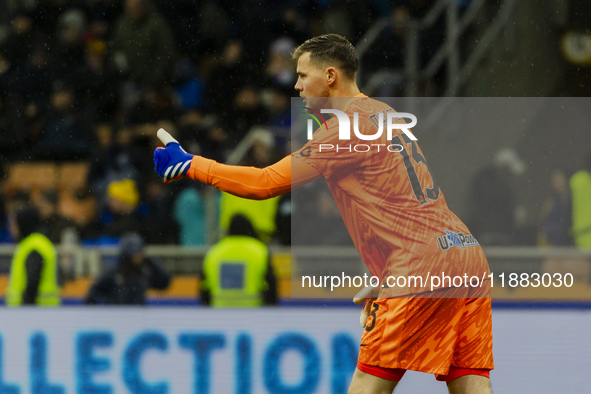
251, 182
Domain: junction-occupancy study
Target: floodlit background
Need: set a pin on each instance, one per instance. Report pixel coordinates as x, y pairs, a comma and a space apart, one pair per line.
85, 84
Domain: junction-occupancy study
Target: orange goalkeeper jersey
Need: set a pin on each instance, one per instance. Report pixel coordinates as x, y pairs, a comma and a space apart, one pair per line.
392, 206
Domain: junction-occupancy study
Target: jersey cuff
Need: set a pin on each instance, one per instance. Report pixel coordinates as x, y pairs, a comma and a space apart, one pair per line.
200, 169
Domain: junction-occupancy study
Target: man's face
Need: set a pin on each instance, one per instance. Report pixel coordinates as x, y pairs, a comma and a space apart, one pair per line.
312, 82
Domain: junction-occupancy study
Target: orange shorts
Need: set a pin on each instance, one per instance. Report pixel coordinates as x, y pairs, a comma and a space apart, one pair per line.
428, 334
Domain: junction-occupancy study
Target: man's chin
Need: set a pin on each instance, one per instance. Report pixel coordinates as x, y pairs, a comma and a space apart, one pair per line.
314, 104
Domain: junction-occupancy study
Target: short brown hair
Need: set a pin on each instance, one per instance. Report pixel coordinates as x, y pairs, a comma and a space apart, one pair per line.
330, 49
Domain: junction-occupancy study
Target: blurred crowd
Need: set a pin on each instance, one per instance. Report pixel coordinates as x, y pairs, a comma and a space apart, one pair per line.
91, 81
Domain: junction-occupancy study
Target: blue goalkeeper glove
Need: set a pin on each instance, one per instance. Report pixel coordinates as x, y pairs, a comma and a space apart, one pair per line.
171, 162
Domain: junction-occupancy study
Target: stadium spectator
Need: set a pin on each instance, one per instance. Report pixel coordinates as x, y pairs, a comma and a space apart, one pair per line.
96, 84
248, 111
237, 271
34, 270
294, 21
211, 26
256, 34
46, 14
225, 79
143, 44
215, 140
115, 157
155, 104
339, 19
65, 136
556, 215
156, 209
188, 87
261, 152
189, 212
21, 38
12, 136
192, 126
102, 15
493, 199
280, 66
127, 283
52, 223
278, 106
120, 215
580, 187
69, 48
13, 201
102, 169
389, 50
183, 15
33, 83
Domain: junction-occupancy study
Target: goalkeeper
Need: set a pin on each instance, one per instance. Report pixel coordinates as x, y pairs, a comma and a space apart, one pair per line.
398, 220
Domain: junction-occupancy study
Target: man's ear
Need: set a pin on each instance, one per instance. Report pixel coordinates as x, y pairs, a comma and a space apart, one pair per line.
331, 75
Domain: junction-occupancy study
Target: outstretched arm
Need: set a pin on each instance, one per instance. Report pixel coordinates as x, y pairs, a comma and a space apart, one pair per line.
251, 182
247, 182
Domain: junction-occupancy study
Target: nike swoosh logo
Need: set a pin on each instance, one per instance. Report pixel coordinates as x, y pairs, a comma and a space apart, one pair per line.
362, 345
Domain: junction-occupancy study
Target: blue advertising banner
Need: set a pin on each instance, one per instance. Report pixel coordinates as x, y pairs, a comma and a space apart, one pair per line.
269, 350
